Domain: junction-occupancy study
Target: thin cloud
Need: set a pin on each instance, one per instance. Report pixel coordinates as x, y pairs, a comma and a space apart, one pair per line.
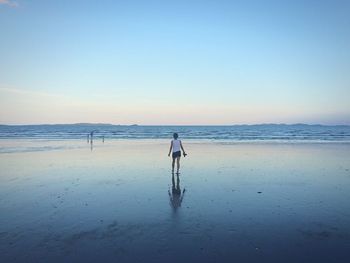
29, 92
9, 3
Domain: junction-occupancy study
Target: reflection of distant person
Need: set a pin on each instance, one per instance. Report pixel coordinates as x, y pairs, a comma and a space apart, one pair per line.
176, 146
176, 196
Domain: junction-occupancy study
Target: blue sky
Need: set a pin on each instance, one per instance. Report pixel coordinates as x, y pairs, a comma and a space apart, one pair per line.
174, 62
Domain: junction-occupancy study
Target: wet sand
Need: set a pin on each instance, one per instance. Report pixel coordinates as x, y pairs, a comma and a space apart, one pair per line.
65, 201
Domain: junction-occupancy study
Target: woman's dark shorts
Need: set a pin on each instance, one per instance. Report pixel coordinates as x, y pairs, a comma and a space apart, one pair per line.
176, 154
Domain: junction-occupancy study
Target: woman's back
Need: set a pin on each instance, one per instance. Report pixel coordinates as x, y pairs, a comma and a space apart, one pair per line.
176, 145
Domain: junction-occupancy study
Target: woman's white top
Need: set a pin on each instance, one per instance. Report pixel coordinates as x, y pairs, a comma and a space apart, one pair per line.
176, 145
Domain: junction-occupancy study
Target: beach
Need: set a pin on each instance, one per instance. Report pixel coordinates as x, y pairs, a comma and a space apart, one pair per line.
70, 201
95, 96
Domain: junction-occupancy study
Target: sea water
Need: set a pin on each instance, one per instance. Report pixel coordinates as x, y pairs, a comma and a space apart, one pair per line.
263, 132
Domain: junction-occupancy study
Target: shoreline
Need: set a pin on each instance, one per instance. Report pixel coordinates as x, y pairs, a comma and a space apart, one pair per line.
190, 140
11, 146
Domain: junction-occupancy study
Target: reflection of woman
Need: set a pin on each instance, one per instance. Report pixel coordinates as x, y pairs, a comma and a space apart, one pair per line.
175, 195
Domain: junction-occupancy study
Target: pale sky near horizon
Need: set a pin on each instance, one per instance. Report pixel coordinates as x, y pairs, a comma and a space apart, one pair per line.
174, 62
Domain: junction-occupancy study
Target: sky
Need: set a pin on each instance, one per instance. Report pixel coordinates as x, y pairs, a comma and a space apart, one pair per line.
174, 62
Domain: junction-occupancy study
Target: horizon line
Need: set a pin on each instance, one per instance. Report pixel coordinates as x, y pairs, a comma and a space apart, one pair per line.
135, 124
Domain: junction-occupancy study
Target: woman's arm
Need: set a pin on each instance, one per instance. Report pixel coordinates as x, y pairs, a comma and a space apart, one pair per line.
171, 146
183, 150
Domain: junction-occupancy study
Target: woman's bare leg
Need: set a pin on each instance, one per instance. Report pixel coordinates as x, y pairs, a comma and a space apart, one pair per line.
178, 163
173, 165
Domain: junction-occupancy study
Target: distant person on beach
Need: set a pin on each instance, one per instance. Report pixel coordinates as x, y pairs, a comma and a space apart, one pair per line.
176, 146
91, 135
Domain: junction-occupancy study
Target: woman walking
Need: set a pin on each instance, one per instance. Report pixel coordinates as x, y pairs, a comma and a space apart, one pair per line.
176, 147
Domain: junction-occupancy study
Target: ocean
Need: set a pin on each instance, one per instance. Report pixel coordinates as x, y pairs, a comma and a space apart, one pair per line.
262, 132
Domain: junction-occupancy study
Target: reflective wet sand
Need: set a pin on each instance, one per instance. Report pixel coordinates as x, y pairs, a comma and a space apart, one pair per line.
69, 201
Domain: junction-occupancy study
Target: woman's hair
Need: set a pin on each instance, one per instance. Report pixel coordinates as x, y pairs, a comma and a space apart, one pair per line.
175, 135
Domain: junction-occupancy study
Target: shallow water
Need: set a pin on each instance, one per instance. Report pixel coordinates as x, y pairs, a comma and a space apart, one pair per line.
65, 201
